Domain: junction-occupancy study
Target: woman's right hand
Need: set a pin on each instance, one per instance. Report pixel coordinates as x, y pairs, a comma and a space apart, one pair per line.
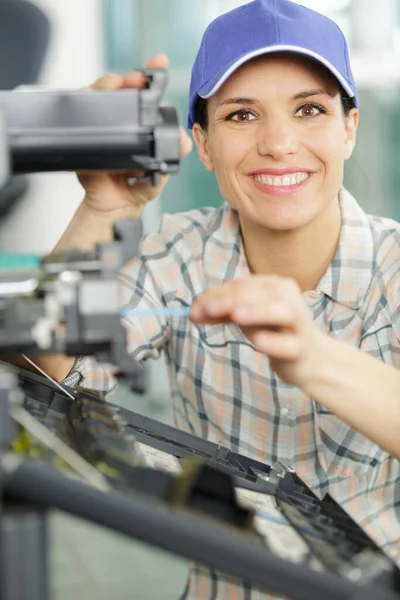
109, 193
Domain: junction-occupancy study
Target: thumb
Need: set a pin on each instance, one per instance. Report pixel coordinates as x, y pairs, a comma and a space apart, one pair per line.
186, 143
159, 61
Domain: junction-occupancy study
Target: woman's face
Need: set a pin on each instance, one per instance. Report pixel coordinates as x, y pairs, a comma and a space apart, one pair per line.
277, 140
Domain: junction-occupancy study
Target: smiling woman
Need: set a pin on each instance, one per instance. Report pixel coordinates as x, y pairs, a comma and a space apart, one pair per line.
277, 134
286, 282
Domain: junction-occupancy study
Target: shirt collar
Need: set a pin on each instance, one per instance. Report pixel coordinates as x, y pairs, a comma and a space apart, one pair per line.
349, 275
347, 278
224, 256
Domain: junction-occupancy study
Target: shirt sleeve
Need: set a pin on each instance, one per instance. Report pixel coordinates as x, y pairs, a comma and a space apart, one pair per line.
149, 282
90, 374
387, 290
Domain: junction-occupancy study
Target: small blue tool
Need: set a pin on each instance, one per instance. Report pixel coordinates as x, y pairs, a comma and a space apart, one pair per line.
156, 312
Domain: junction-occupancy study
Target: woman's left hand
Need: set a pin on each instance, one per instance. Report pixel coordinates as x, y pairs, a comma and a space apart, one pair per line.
273, 315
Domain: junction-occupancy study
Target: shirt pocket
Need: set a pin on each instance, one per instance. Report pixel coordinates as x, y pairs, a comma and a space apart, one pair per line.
222, 336
345, 451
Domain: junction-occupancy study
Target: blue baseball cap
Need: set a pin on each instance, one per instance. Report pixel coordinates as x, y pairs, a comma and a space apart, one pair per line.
263, 27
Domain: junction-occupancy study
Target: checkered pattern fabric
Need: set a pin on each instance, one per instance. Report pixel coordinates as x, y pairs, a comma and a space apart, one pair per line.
225, 391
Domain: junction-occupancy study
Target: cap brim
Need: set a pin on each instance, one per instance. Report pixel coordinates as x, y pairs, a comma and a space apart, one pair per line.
215, 83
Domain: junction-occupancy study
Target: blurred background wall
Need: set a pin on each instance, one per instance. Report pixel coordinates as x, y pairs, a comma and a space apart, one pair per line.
75, 57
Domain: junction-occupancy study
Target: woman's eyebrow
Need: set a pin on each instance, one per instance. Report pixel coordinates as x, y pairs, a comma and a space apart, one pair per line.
242, 101
309, 93
300, 96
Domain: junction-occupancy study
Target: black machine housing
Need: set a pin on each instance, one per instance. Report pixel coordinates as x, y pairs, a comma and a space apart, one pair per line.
69, 302
122, 130
194, 513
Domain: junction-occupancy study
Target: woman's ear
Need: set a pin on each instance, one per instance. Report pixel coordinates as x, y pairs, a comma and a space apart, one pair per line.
351, 132
201, 139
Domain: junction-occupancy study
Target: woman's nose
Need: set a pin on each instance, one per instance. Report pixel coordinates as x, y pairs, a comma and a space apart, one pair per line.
277, 139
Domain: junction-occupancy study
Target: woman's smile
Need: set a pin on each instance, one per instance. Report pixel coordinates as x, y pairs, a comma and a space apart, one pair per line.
280, 183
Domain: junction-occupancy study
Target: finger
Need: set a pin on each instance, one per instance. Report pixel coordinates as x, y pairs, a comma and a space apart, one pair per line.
159, 61
186, 143
280, 346
134, 79
219, 301
212, 305
111, 81
261, 313
137, 80
204, 319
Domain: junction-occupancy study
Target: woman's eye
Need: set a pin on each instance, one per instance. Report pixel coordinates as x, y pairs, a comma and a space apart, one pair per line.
241, 116
310, 110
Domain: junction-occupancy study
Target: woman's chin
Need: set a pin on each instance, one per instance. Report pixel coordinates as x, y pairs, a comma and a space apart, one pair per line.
280, 217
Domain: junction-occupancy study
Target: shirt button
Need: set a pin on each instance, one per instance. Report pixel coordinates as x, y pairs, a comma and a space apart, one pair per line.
284, 412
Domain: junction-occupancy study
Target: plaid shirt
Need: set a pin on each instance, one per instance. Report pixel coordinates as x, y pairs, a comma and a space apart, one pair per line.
224, 390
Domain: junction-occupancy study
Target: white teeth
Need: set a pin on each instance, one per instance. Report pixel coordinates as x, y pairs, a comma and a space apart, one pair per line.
300, 177
286, 181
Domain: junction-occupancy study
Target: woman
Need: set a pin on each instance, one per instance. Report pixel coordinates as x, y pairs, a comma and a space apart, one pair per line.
285, 281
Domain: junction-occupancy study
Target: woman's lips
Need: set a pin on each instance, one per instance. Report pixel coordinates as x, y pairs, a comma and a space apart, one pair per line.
286, 183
